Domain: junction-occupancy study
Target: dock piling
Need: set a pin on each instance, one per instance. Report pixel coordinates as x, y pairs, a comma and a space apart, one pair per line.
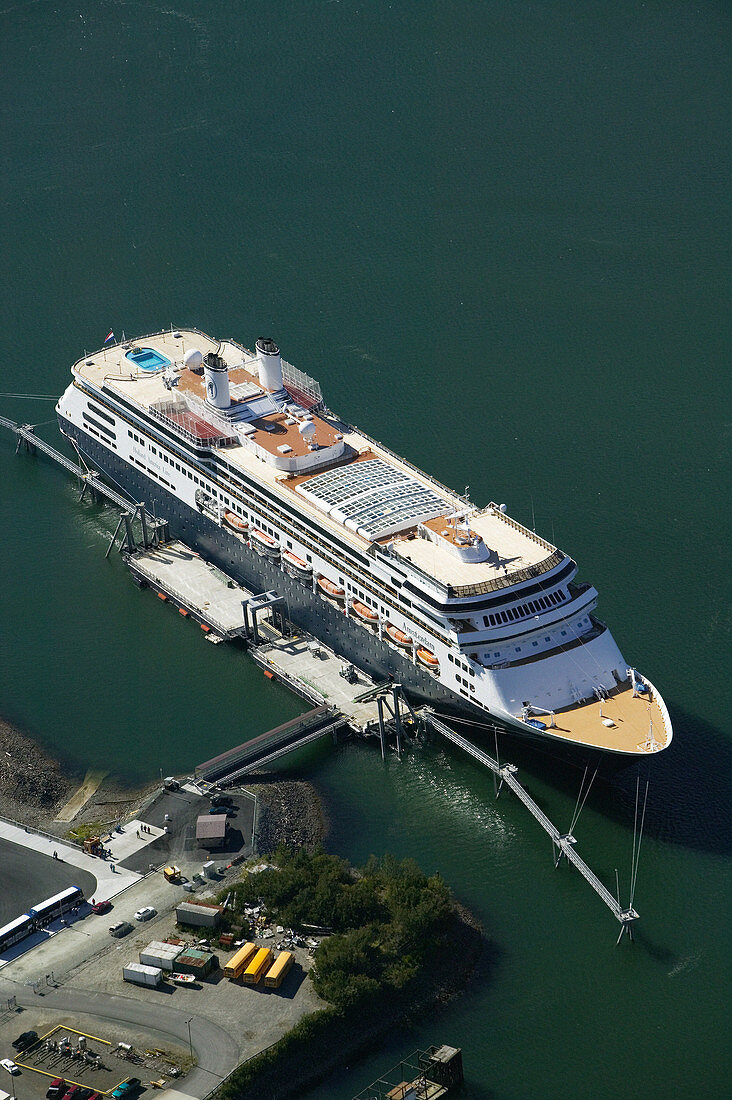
114, 536
382, 731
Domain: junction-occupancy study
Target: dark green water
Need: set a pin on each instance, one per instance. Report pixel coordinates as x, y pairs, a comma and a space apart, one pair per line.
497, 233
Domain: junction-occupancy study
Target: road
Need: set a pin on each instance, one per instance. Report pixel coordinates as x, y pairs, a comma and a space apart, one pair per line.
216, 1051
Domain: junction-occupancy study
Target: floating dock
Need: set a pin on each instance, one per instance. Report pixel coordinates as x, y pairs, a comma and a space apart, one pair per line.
199, 590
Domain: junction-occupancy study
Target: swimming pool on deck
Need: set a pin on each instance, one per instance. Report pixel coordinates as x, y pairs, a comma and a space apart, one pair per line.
148, 359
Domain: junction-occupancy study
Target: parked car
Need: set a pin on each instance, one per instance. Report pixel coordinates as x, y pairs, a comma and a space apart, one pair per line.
221, 800
10, 1066
120, 929
127, 1088
145, 913
56, 1089
101, 907
71, 1093
27, 1039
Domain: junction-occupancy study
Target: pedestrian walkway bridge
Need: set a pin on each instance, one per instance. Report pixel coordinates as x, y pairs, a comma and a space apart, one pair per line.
563, 844
152, 529
230, 766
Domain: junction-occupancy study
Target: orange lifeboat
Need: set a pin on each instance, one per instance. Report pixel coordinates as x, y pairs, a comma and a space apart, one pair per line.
331, 589
398, 636
427, 658
366, 613
235, 522
296, 563
263, 542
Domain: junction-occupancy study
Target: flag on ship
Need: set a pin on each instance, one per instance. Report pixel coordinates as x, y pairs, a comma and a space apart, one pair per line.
110, 336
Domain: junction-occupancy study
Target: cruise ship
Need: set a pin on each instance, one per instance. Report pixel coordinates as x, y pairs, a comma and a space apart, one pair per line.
469, 610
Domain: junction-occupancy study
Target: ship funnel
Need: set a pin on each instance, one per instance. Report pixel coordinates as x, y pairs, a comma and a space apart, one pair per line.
216, 376
270, 364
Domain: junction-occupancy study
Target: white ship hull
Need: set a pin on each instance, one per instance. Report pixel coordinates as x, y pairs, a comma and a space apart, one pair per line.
521, 648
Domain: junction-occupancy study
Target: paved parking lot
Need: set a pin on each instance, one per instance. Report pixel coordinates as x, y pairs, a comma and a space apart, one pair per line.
179, 845
38, 1067
30, 876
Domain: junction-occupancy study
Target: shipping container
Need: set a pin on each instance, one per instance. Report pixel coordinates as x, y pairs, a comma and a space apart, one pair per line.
196, 962
142, 975
276, 973
206, 916
259, 965
239, 962
160, 954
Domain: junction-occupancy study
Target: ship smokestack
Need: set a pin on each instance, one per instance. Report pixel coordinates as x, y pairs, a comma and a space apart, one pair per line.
216, 376
270, 364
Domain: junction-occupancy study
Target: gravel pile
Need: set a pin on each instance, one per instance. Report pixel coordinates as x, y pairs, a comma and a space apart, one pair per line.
33, 786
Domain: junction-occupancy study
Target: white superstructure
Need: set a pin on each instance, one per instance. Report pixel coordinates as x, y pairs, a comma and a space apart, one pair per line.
486, 607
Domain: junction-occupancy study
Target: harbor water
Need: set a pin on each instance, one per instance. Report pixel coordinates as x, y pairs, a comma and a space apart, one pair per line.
497, 234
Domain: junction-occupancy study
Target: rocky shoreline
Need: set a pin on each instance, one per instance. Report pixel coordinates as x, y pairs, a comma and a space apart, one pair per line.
34, 786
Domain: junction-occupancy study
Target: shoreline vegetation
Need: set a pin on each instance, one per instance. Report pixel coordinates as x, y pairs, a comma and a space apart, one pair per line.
399, 944
402, 944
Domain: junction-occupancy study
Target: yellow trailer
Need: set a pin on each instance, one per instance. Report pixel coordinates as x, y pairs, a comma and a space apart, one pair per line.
274, 976
259, 964
239, 962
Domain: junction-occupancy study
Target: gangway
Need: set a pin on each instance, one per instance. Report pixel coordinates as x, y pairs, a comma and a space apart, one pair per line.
562, 844
90, 479
268, 747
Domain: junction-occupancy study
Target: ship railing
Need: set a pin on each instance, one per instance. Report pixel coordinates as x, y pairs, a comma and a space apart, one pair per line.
493, 507
454, 591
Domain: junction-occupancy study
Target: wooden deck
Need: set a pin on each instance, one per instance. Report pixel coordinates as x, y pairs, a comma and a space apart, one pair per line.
632, 717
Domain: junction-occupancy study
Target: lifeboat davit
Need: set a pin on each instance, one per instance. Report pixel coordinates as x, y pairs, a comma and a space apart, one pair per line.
296, 563
398, 636
263, 542
236, 523
427, 658
366, 613
331, 589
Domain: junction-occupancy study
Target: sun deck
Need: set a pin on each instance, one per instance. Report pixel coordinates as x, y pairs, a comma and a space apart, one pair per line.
511, 547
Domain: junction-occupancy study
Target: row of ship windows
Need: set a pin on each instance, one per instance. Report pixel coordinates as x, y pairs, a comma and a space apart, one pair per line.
153, 473
458, 662
462, 680
534, 645
104, 438
139, 439
532, 607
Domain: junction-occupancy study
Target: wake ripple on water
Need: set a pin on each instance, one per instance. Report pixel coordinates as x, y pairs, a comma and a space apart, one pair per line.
687, 963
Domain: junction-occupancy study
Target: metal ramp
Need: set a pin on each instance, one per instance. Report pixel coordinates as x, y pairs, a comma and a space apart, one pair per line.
153, 530
268, 747
563, 844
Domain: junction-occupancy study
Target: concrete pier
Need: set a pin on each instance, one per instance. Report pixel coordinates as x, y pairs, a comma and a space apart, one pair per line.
198, 589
